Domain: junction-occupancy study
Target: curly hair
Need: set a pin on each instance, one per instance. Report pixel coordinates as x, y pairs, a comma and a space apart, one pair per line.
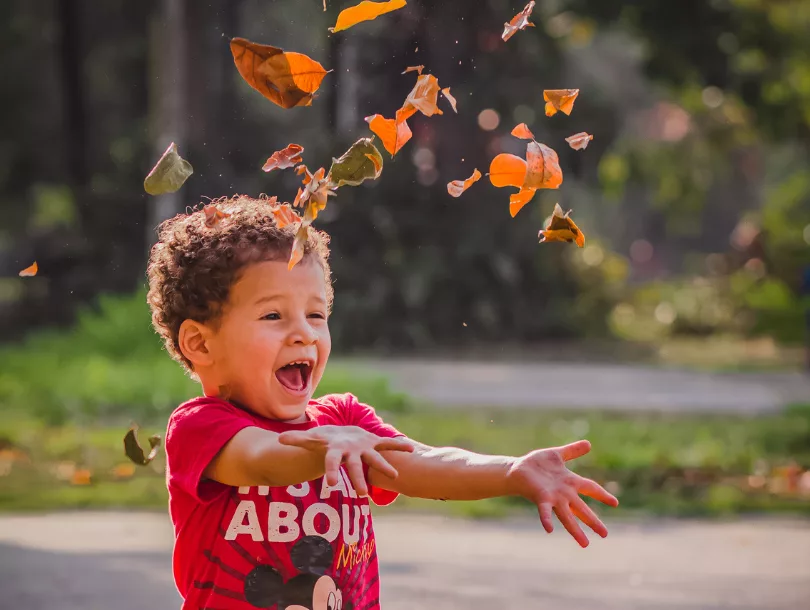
192, 266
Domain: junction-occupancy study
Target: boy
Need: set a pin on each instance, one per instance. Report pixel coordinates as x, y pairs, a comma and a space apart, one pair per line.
269, 489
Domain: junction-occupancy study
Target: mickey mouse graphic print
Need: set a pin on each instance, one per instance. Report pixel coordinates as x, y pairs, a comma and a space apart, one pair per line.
308, 546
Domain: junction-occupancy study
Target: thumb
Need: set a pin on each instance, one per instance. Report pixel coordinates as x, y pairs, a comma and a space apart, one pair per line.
574, 450
300, 438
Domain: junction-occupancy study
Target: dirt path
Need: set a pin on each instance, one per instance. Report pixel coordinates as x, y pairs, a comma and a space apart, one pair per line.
101, 561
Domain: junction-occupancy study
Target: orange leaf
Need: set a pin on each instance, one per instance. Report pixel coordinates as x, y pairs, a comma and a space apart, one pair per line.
394, 134
543, 167
423, 97
457, 187
519, 22
284, 215
284, 158
414, 69
450, 98
559, 100
560, 227
523, 132
507, 170
519, 199
285, 78
81, 477
579, 141
124, 471
300, 242
365, 11
213, 215
375, 161
30, 271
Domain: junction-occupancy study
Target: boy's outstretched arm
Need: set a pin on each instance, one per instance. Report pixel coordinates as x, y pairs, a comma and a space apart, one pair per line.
541, 476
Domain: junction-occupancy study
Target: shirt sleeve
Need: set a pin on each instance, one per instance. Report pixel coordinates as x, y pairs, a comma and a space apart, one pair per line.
197, 431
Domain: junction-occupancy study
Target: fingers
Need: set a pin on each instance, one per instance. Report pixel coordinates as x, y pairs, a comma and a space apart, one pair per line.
395, 444
585, 514
332, 465
544, 508
571, 451
300, 438
354, 468
569, 522
378, 462
594, 490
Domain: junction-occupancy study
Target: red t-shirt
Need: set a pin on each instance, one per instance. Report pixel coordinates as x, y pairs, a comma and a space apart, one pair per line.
307, 546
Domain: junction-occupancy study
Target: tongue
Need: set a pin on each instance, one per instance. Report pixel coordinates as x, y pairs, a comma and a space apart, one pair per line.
291, 377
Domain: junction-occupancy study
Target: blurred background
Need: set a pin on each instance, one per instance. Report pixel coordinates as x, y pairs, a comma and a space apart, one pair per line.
677, 340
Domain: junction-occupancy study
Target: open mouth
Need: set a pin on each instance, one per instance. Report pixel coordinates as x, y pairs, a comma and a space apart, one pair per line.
295, 376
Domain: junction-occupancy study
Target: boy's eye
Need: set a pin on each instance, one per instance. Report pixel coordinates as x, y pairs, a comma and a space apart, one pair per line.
318, 315
271, 316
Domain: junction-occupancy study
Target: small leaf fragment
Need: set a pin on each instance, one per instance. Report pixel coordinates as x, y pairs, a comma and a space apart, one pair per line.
213, 215
169, 173
519, 199
287, 157
518, 22
360, 163
284, 215
561, 100
30, 271
393, 134
450, 98
523, 132
133, 450
417, 69
457, 187
579, 141
543, 167
560, 227
365, 11
300, 242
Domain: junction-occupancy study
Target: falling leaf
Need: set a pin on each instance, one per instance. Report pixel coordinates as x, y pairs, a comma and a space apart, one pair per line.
287, 79
324, 6
579, 141
284, 158
560, 227
414, 69
543, 167
360, 163
299, 243
82, 476
450, 98
519, 22
213, 215
507, 170
30, 271
169, 174
313, 196
519, 199
392, 133
365, 11
284, 215
457, 187
133, 450
561, 100
124, 471
523, 132
423, 97
540, 170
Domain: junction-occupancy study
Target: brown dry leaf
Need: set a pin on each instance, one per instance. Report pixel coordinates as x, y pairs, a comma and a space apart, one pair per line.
423, 97
287, 79
30, 271
457, 187
213, 215
169, 174
540, 170
284, 215
133, 450
519, 199
560, 227
414, 69
393, 133
507, 170
523, 132
543, 167
518, 22
579, 141
82, 476
450, 98
365, 11
284, 158
298, 246
561, 100
317, 188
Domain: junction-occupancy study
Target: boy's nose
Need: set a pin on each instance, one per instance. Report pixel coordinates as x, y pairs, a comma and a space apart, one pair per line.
303, 333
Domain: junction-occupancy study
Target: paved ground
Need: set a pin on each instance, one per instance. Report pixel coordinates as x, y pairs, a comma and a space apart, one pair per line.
577, 385
121, 561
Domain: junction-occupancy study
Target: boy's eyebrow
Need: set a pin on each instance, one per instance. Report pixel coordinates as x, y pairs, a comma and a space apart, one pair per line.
272, 297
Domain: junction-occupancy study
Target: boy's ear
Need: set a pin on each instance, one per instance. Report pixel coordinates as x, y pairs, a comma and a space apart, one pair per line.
193, 341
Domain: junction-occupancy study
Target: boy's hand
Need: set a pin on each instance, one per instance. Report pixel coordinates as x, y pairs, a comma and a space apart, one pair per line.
350, 445
542, 477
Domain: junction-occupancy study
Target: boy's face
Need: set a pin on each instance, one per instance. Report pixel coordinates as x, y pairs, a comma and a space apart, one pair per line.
273, 318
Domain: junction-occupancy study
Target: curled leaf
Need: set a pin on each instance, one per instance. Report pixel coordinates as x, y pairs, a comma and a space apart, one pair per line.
313, 196
523, 132
560, 227
518, 22
213, 215
284, 215
299, 244
133, 450
169, 173
579, 141
561, 100
417, 69
423, 97
287, 79
457, 187
450, 98
30, 271
365, 11
360, 163
543, 167
284, 158
540, 170
393, 133
519, 199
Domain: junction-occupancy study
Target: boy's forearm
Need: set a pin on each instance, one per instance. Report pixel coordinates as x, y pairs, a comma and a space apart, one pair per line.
280, 465
446, 473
